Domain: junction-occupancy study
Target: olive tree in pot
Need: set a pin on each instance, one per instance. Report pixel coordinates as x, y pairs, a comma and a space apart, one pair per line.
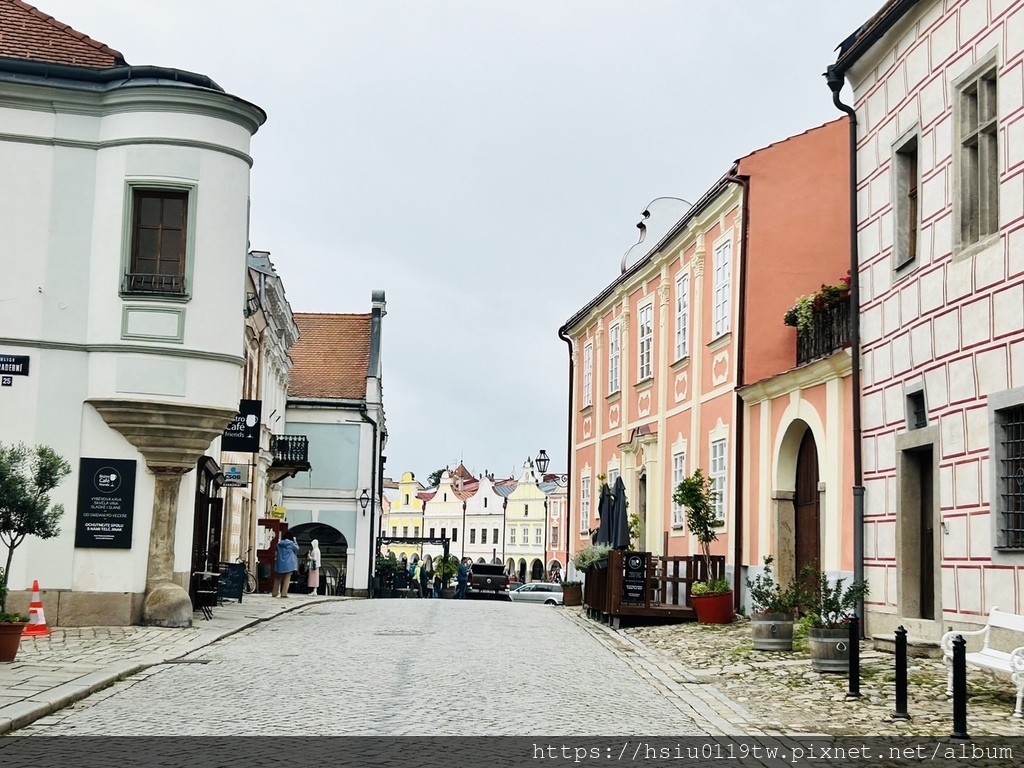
384, 575
772, 609
27, 475
447, 569
830, 606
712, 598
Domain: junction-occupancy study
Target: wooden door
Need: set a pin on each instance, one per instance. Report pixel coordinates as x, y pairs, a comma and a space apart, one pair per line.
807, 522
213, 548
926, 540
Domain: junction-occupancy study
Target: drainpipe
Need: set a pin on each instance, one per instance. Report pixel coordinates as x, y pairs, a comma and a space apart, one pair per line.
568, 453
373, 504
741, 336
835, 81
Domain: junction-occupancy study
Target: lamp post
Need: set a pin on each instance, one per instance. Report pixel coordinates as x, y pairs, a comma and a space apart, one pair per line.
364, 500
542, 461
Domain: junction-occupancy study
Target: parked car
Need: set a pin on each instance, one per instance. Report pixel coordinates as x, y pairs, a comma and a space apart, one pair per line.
538, 592
488, 579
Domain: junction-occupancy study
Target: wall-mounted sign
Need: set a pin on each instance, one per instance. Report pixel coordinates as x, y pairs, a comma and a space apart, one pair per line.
236, 475
106, 504
14, 365
277, 513
634, 585
6, 381
243, 433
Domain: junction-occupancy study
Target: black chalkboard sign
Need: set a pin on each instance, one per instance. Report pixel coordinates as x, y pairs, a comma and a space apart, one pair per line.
232, 580
634, 585
106, 504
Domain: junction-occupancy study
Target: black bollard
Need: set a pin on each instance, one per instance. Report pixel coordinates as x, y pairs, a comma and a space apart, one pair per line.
854, 691
959, 688
901, 675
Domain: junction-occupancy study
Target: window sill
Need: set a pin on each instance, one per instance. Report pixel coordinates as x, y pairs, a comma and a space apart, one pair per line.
586, 410
172, 298
613, 397
643, 386
681, 363
961, 252
720, 342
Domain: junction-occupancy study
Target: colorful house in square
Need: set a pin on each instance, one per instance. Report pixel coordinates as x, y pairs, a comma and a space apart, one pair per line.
662, 358
938, 95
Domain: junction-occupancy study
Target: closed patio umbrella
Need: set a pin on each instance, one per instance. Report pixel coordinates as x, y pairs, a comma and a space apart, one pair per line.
604, 511
620, 518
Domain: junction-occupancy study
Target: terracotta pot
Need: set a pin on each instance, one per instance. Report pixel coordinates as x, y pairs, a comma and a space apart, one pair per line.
10, 639
713, 609
572, 595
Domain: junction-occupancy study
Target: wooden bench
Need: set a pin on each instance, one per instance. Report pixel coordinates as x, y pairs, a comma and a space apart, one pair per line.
989, 659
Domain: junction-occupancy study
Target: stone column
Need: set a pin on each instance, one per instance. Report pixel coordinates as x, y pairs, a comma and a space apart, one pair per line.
167, 604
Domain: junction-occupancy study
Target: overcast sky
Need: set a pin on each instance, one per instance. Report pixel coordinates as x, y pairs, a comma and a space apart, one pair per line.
485, 163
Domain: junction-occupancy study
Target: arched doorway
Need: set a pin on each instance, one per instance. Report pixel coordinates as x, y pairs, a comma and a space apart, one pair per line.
555, 571
333, 558
522, 571
537, 571
806, 505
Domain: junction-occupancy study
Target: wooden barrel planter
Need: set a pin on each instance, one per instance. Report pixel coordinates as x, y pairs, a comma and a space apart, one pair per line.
772, 631
830, 649
572, 594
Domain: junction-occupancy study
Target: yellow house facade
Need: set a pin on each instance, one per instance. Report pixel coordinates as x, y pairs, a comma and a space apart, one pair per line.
406, 518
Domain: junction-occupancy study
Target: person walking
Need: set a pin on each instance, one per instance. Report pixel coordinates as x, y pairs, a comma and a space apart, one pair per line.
463, 579
437, 584
426, 576
415, 571
287, 563
313, 564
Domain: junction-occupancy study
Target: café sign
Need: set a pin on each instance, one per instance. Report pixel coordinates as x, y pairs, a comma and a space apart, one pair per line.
106, 504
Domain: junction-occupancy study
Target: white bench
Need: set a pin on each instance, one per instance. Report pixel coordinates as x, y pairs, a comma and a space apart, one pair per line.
989, 659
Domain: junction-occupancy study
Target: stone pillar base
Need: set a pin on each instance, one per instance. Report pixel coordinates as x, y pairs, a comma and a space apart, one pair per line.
167, 605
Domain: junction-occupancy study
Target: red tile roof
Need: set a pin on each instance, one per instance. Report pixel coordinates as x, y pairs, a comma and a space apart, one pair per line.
29, 34
332, 357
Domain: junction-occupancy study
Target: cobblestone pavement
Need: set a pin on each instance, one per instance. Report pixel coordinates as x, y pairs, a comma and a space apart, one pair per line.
779, 694
381, 667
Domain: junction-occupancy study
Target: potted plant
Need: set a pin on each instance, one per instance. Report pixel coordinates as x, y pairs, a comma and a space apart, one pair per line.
772, 609
830, 606
801, 314
11, 625
711, 598
385, 571
27, 475
591, 556
572, 592
447, 569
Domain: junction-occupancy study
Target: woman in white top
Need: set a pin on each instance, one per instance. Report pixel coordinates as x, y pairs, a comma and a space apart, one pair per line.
313, 564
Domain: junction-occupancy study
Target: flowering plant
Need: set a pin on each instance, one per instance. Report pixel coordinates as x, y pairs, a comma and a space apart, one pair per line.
801, 314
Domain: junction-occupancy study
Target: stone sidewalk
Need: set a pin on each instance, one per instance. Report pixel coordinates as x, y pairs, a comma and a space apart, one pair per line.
50, 673
736, 690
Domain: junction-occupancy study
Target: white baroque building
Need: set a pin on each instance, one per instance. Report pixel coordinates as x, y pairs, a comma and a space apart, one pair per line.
124, 198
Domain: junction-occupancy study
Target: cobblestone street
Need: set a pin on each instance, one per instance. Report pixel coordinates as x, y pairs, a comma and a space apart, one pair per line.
391, 667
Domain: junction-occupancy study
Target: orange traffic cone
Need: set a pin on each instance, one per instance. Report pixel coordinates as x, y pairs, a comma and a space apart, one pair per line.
36, 619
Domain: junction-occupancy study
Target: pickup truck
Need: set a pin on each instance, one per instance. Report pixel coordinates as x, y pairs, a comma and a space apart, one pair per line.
487, 578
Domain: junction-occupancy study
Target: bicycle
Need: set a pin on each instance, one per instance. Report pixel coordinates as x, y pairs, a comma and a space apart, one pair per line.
250, 578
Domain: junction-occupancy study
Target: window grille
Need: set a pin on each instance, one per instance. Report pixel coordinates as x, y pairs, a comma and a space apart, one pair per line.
1011, 478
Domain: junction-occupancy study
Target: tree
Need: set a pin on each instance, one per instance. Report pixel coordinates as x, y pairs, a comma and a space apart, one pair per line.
435, 478
698, 495
27, 475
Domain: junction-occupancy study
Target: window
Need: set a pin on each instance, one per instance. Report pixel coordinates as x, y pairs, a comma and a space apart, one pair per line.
444, 533
158, 238
407, 499
495, 539
554, 536
979, 158
723, 287
432, 533
526, 510
472, 536
588, 375
613, 359
1010, 451
585, 505
613, 475
678, 475
394, 531
526, 536
682, 316
445, 497
416, 531
511, 535
455, 534
645, 330
538, 536
917, 412
485, 502
718, 476
906, 203
405, 531
483, 536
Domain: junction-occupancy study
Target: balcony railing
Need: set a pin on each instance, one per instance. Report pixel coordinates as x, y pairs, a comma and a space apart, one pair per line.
829, 332
290, 449
159, 285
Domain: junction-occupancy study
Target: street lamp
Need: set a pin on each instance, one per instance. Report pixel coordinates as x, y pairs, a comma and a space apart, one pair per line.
364, 500
542, 462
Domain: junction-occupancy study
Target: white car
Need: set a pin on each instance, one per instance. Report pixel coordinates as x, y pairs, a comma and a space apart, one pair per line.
538, 592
